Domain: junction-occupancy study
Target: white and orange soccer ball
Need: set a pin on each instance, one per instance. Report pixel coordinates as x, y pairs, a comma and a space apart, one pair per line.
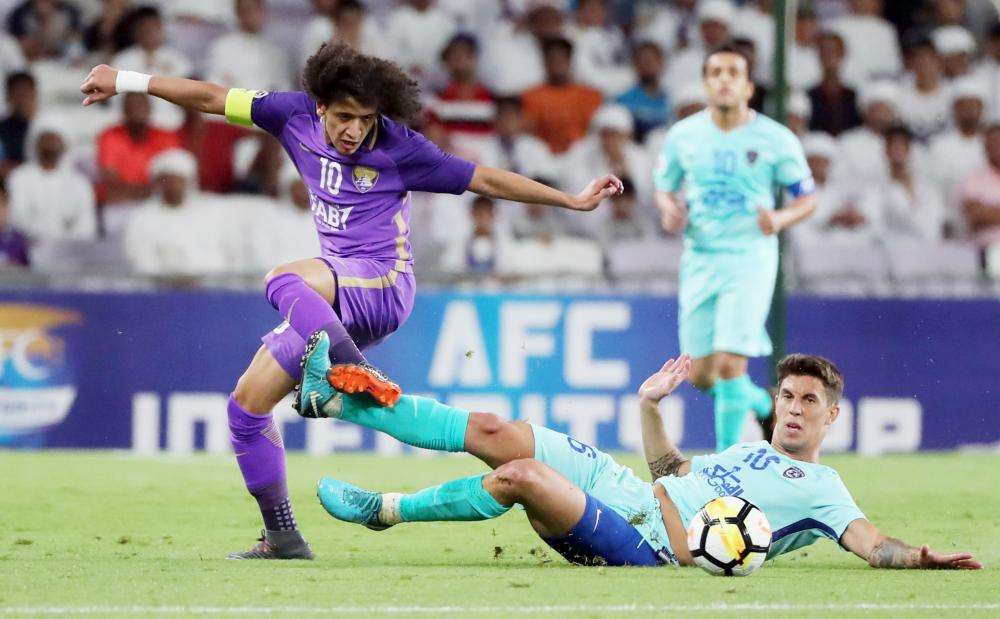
729, 536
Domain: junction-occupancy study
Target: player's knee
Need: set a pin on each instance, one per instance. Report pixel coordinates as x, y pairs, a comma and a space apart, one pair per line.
519, 478
250, 396
486, 425
276, 271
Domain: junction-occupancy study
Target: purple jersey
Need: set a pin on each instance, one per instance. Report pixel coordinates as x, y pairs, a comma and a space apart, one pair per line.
360, 202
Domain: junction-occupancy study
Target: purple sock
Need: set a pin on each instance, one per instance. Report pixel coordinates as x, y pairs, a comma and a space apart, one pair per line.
261, 455
307, 312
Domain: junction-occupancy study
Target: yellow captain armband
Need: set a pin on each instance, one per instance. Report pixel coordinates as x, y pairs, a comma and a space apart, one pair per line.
238, 102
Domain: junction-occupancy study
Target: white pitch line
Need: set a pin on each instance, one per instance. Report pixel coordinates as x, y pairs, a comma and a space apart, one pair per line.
330, 610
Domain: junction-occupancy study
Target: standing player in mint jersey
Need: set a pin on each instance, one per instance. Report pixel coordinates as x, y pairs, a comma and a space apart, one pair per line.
729, 160
346, 136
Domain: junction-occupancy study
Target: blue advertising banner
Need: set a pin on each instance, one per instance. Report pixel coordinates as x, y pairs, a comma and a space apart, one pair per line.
152, 371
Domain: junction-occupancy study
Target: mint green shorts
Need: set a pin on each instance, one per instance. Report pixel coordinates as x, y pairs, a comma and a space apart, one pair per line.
724, 299
597, 474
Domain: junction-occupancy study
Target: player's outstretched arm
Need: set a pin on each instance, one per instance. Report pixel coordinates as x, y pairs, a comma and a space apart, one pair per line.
104, 82
505, 185
662, 456
865, 540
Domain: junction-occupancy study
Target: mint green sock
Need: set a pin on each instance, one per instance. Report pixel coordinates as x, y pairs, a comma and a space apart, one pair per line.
458, 499
758, 397
731, 405
417, 421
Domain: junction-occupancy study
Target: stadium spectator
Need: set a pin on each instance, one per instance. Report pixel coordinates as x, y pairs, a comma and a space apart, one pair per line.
246, 56
798, 110
871, 43
688, 99
804, 70
22, 102
754, 21
512, 58
980, 193
510, 147
345, 21
151, 55
625, 224
862, 149
465, 105
648, 100
957, 152
956, 47
834, 103
672, 25
213, 144
177, 233
600, 58
484, 248
46, 29
608, 146
559, 110
415, 34
49, 200
840, 213
13, 244
924, 91
987, 71
124, 152
537, 223
910, 202
714, 20
111, 30
290, 233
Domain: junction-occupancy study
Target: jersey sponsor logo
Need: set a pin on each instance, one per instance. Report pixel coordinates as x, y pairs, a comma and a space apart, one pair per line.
364, 178
722, 480
794, 472
332, 216
751, 156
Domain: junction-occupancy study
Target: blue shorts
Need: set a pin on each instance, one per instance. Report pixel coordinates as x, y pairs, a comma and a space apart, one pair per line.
724, 299
373, 300
630, 511
603, 537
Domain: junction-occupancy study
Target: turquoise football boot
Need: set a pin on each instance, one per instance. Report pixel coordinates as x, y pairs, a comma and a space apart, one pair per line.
315, 397
349, 503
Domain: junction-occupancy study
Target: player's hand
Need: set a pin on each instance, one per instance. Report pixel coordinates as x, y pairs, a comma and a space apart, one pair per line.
596, 191
768, 221
99, 84
673, 220
670, 376
930, 560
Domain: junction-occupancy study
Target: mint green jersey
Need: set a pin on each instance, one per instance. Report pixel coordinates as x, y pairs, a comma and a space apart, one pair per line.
802, 501
727, 175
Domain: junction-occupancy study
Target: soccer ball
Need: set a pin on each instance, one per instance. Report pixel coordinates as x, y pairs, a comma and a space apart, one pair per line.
729, 536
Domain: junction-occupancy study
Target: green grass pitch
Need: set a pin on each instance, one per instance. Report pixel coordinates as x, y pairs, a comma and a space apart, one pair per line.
109, 534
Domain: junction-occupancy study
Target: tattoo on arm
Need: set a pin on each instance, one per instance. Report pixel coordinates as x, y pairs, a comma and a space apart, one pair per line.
667, 465
893, 553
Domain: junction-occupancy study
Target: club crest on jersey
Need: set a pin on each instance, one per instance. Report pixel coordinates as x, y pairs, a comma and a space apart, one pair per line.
794, 472
364, 178
751, 156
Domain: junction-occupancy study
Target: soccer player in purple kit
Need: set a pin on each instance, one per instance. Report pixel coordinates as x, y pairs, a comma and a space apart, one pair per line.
347, 138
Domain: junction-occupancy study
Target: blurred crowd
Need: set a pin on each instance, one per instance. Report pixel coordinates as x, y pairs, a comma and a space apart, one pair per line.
897, 103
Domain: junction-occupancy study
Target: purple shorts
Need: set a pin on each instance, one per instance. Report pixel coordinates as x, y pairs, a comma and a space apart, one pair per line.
373, 300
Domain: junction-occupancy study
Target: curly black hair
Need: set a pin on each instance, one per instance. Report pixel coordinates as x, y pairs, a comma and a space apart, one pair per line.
338, 71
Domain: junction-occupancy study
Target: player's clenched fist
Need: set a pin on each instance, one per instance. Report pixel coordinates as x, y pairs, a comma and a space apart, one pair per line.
99, 84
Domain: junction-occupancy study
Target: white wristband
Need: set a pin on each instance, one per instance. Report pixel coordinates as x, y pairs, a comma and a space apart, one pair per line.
132, 81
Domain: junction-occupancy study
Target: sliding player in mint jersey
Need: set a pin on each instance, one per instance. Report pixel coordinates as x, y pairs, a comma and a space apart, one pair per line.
593, 510
729, 160
345, 135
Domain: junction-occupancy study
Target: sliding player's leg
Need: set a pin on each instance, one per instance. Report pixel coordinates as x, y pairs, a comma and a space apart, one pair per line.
417, 421
260, 454
306, 292
577, 525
